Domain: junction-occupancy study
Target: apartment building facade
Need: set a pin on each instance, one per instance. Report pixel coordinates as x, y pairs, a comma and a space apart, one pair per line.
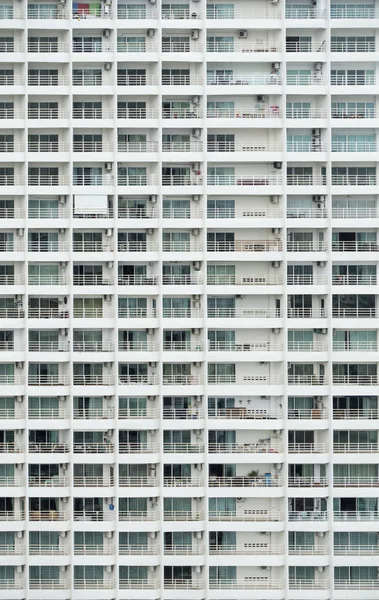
189, 300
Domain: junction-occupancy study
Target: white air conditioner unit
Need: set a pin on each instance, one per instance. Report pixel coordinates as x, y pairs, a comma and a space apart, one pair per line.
196, 331
152, 2
195, 167
195, 232
196, 133
61, 230
317, 66
62, 199
151, 33
274, 199
110, 264
242, 34
276, 264
276, 66
107, 66
197, 265
19, 365
196, 198
153, 199
107, 33
20, 232
195, 34
108, 232
108, 167
195, 100
316, 133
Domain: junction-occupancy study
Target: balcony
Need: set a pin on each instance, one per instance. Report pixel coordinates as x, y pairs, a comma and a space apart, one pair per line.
246, 482
183, 482
264, 279
137, 482
184, 584
354, 279
145, 280
307, 413
311, 515
248, 515
354, 180
138, 379
49, 482
94, 584
241, 412
95, 279
139, 147
178, 12
243, 313
139, 584
306, 246
251, 549
272, 112
180, 180
357, 380
51, 448
244, 180
355, 246
245, 246
93, 448
254, 583
47, 313
308, 448
354, 313
306, 380
94, 515
135, 246
179, 550
355, 550
356, 482
91, 346
49, 584
49, 515
356, 516
135, 12
271, 447
97, 482
94, 413
137, 448
136, 180
312, 482
308, 550
84, 380
356, 414
356, 584
306, 213
49, 346
181, 515
94, 550
48, 550
138, 515
48, 379
308, 584
182, 380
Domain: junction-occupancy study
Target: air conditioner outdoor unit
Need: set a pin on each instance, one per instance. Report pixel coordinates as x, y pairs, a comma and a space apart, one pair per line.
107, 33
151, 33
107, 66
195, 34
242, 34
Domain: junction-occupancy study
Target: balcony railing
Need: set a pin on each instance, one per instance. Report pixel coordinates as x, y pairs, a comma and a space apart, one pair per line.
303, 11
94, 515
249, 448
355, 379
92, 346
244, 180
48, 447
182, 550
137, 448
300, 482
245, 246
138, 515
244, 113
358, 482
306, 113
181, 515
49, 584
307, 413
93, 380
355, 413
48, 379
184, 584
306, 246
138, 550
246, 146
263, 279
93, 448
353, 516
312, 448
355, 246
179, 482
99, 481
12, 447
254, 583
135, 11
246, 482
94, 550
48, 550
352, 179
352, 279
310, 515
138, 246
241, 412
308, 584
47, 313
48, 413
94, 584
149, 146
356, 584
354, 313
50, 482
248, 515
138, 413
307, 550
125, 79
49, 515
178, 13
306, 380
139, 584
133, 482
356, 550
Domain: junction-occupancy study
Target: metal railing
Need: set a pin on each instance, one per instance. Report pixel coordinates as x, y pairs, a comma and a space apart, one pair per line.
132, 482
244, 413
138, 515
244, 180
355, 379
94, 413
356, 584
308, 515
354, 279
354, 313
355, 246
93, 448
49, 482
249, 448
136, 80
94, 550
233, 80
300, 482
307, 550
306, 113
253, 583
355, 413
137, 448
270, 112
355, 346
245, 481
138, 246
245, 313
48, 447
48, 550
306, 380
353, 516
248, 515
48, 379
47, 413
181, 515
137, 213
138, 413
93, 379
179, 482
311, 448
99, 481
307, 413
308, 584
49, 584
186, 79
138, 280
245, 246
49, 515
358, 482
92, 346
